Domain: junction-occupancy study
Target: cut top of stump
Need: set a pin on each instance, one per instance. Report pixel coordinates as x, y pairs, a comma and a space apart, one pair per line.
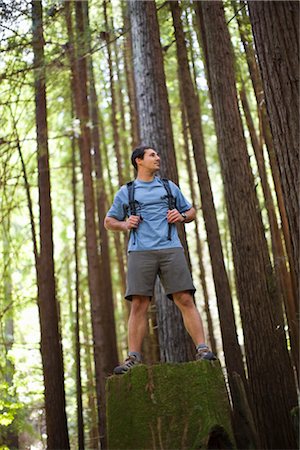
170, 407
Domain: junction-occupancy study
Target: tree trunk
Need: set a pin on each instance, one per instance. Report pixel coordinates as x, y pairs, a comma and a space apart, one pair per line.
80, 423
283, 276
114, 120
191, 50
270, 374
134, 128
51, 349
102, 320
232, 351
102, 365
202, 270
92, 442
247, 40
126, 152
156, 131
275, 28
100, 197
157, 417
150, 84
117, 237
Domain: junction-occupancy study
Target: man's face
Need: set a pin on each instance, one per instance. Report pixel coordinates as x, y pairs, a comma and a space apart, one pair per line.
150, 161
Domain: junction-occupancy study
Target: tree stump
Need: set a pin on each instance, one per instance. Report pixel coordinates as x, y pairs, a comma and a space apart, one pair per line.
169, 406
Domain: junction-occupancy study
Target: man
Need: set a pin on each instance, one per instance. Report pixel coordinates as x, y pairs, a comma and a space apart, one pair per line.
154, 249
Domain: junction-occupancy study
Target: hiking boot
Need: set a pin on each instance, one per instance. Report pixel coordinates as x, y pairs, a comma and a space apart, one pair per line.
203, 353
129, 362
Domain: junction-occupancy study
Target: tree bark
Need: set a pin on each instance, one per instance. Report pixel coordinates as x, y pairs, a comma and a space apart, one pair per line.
134, 125
202, 270
150, 84
100, 196
91, 408
102, 321
275, 28
232, 351
270, 374
156, 131
51, 348
125, 149
159, 418
114, 119
247, 40
282, 274
118, 238
80, 422
102, 366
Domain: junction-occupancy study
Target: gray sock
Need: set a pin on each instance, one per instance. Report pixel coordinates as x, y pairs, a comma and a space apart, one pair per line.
202, 345
137, 355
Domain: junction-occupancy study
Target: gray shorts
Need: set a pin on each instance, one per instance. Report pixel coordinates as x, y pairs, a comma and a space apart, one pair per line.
169, 264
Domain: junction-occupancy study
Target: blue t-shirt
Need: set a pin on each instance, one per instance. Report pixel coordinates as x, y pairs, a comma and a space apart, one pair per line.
152, 205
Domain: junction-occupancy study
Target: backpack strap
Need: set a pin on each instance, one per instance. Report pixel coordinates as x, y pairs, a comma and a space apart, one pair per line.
170, 196
131, 203
171, 202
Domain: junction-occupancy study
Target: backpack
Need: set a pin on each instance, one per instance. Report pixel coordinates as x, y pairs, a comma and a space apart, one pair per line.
169, 196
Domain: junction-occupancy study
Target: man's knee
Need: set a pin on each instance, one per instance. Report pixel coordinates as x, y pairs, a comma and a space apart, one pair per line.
184, 299
139, 304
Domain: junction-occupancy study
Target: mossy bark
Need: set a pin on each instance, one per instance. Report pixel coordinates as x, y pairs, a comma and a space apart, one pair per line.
169, 406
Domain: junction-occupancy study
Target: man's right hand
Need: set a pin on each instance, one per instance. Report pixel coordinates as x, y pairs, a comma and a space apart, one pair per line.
133, 222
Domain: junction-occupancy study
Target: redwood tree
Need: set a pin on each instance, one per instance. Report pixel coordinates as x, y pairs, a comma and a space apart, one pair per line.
104, 341
275, 28
248, 44
51, 349
270, 373
156, 130
232, 351
80, 421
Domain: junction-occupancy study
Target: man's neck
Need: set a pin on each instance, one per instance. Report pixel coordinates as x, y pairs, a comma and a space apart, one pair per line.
145, 176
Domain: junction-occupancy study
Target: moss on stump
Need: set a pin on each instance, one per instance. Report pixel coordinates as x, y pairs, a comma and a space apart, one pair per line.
169, 406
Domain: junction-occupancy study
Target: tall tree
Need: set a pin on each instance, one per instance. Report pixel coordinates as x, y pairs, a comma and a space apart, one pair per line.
275, 28
150, 83
121, 101
197, 232
232, 351
80, 422
282, 274
114, 115
92, 441
51, 349
270, 374
105, 352
134, 127
156, 130
101, 199
248, 44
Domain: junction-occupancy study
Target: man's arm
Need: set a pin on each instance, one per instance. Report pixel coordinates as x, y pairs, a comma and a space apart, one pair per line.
113, 224
174, 216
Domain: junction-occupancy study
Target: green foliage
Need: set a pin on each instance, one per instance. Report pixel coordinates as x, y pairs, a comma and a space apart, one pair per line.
13, 413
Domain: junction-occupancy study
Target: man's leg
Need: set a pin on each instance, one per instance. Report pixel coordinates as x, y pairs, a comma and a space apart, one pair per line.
137, 327
191, 316
193, 324
137, 323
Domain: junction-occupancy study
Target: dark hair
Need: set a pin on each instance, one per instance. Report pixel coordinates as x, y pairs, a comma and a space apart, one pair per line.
139, 153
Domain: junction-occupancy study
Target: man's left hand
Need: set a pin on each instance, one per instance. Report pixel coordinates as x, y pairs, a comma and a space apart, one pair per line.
174, 216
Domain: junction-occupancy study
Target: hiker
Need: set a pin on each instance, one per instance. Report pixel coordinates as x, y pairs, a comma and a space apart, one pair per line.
149, 207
